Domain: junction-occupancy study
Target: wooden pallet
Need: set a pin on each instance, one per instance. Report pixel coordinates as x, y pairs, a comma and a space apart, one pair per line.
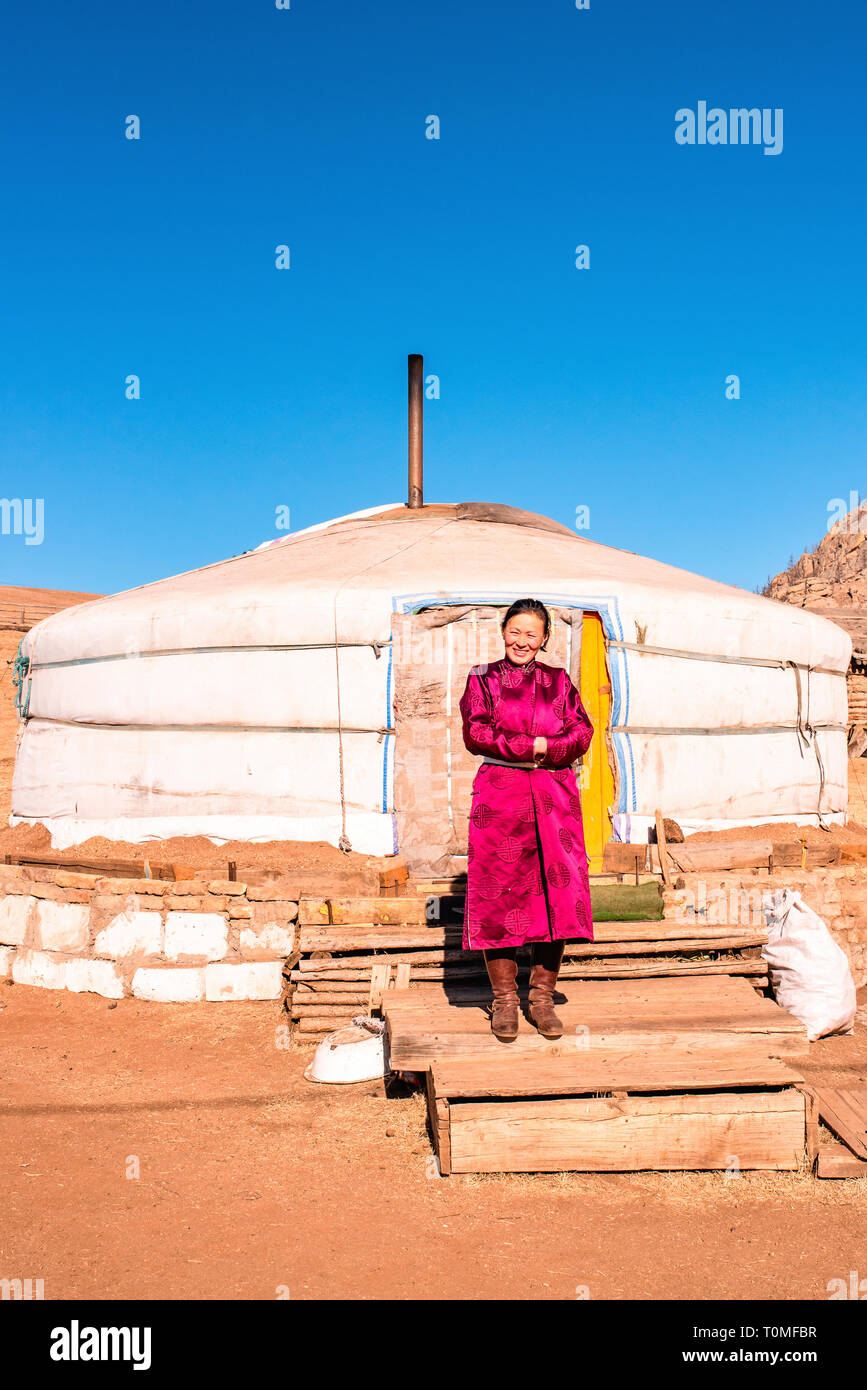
616, 1111
428, 1024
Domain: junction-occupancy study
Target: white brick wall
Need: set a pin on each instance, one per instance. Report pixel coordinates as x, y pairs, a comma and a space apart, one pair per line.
40, 969
196, 936
131, 934
45, 970
94, 977
61, 926
169, 985
256, 980
14, 915
267, 941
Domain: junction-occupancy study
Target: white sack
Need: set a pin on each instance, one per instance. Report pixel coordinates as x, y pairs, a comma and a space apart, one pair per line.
809, 973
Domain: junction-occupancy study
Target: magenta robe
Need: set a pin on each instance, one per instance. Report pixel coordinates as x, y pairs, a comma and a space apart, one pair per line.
527, 871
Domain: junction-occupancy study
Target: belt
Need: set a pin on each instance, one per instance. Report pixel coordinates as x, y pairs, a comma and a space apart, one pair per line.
501, 762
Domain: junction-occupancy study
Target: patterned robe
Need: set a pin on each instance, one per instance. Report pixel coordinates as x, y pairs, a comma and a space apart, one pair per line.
527, 870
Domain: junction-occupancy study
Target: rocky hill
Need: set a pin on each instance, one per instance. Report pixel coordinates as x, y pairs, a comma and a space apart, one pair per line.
831, 579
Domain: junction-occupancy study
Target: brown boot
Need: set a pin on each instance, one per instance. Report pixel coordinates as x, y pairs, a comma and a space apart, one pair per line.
545, 968
502, 967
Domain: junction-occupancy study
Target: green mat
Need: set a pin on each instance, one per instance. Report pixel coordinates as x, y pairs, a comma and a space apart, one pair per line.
626, 902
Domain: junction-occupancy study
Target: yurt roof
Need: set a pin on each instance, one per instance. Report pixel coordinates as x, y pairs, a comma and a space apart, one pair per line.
346, 577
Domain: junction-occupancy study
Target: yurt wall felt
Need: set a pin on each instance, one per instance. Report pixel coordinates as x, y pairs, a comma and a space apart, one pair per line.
254, 698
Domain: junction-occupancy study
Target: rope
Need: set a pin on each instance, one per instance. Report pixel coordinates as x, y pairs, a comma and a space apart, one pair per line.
817, 751
779, 665
205, 651
799, 723
807, 734
717, 729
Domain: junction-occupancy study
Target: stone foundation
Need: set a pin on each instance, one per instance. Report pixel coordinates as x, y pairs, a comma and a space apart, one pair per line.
837, 894
171, 942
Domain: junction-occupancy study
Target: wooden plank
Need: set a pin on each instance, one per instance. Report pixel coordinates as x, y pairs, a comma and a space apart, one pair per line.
793, 855
836, 1161
621, 858
475, 989
589, 1071
319, 1023
423, 1031
844, 1111
319, 939
394, 875
669, 997
107, 868
718, 854
444, 1133
432, 887
615, 969
665, 998
764, 1129
381, 911
318, 884
661, 850
312, 999
665, 935
415, 1048
312, 987
673, 971
652, 930
438, 1115
812, 1118
363, 937
328, 1014
379, 978
396, 943
719, 941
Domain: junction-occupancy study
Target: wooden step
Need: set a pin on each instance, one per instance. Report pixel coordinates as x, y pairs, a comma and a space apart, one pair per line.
636, 968
662, 935
600, 1070
696, 1130
424, 1028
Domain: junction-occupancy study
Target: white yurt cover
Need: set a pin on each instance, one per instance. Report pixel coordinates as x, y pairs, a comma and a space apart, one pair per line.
252, 699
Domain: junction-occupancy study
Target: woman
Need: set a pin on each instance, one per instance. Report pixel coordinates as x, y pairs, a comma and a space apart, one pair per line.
527, 877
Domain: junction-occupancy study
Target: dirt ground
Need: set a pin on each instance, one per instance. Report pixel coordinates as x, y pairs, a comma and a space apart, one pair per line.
197, 851
786, 832
176, 1152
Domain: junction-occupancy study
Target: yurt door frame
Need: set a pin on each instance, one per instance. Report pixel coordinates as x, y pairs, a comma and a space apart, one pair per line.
597, 775
434, 646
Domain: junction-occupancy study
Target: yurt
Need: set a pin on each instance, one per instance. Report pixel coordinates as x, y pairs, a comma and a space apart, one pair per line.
308, 690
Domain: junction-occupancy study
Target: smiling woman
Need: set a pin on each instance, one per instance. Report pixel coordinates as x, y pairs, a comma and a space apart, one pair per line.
527, 879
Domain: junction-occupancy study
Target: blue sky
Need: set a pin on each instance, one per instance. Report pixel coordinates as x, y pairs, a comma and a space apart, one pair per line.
263, 388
